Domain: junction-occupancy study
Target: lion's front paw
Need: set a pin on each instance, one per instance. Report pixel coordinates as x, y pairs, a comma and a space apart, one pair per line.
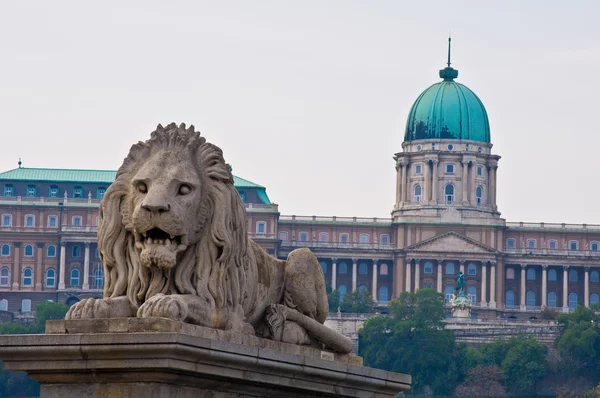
162, 306
88, 308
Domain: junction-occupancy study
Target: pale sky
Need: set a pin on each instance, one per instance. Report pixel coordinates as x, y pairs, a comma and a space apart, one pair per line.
308, 98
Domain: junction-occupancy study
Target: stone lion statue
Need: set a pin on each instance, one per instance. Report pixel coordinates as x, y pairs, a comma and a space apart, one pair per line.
174, 244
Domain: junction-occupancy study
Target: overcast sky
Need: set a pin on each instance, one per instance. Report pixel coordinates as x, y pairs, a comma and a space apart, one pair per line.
308, 98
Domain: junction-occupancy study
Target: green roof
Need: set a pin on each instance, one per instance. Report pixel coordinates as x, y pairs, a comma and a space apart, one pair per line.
98, 176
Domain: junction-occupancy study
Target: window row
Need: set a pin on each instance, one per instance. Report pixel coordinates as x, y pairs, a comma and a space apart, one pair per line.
29, 221
53, 191
363, 268
573, 299
448, 193
552, 244
27, 278
448, 168
450, 268
50, 251
25, 305
553, 275
382, 296
384, 239
449, 293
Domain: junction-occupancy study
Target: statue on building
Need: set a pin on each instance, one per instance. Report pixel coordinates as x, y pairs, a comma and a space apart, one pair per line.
173, 240
460, 302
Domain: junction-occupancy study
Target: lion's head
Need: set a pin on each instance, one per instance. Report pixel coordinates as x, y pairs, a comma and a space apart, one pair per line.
172, 222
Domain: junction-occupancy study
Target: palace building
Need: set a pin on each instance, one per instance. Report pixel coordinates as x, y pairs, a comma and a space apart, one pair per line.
445, 220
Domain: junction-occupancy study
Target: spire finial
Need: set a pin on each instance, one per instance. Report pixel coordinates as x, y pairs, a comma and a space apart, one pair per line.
449, 40
20, 163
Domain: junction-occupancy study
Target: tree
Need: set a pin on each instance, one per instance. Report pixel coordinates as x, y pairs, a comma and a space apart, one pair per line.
413, 341
482, 381
333, 298
524, 364
593, 393
357, 301
45, 311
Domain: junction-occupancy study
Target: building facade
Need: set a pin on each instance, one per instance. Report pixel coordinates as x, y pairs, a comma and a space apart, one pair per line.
445, 220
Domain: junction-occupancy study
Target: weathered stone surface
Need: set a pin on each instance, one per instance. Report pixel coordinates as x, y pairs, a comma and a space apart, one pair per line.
173, 239
185, 363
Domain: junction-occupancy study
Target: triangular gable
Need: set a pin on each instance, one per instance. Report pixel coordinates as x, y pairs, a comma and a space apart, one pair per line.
450, 242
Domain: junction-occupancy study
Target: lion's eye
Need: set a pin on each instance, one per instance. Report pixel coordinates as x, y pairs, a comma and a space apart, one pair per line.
185, 189
142, 187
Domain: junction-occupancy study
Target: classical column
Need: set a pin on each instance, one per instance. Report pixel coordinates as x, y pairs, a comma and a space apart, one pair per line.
492, 189
417, 275
333, 273
374, 282
439, 276
434, 184
465, 182
398, 185
484, 284
404, 195
565, 306
523, 274
408, 276
62, 271
86, 267
544, 285
462, 266
473, 183
398, 277
16, 271
586, 288
493, 284
38, 265
427, 172
354, 260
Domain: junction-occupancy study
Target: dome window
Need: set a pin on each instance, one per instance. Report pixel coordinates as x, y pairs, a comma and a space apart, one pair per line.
419, 147
479, 171
450, 147
418, 193
449, 193
480, 149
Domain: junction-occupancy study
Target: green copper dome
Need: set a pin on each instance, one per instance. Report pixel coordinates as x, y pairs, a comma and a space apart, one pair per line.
448, 110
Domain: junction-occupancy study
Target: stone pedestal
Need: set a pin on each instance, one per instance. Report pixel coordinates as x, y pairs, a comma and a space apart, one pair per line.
155, 357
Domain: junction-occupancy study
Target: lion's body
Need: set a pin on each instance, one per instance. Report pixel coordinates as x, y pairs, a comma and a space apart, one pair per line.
173, 240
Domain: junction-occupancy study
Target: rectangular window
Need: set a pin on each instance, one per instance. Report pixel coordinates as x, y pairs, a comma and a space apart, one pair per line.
30, 191
77, 221
573, 245
363, 239
531, 243
479, 171
384, 239
53, 193
594, 246
450, 168
552, 244
7, 220
510, 243
261, 227
303, 236
344, 238
283, 236
100, 193
9, 190
52, 221
29, 221
418, 169
78, 192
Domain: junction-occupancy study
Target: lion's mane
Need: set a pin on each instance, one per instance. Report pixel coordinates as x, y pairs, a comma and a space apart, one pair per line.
215, 266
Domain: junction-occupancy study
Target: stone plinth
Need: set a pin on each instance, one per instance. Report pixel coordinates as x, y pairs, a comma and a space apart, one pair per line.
155, 357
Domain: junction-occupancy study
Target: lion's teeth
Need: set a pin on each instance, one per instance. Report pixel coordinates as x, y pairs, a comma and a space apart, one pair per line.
150, 241
172, 237
159, 242
145, 234
167, 242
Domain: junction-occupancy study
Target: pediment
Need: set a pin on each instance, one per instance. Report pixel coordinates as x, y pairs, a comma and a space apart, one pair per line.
450, 242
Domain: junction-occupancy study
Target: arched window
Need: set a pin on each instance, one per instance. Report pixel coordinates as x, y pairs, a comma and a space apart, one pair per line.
74, 277
362, 269
76, 251
531, 274
383, 269
76, 221
98, 279
4, 276
342, 289
552, 300
448, 293
27, 277
510, 297
4, 305
28, 251
427, 286
552, 244
323, 266
323, 237
595, 276
418, 193
362, 289
449, 193
510, 273
5, 250
344, 238
472, 293
450, 269
50, 277
383, 294
472, 269
51, 251
25, 305
572, 300
479, 195
552, 275
594, 298
342, 268
428, 267
573, 275
363, 239
283, 236
530, 299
